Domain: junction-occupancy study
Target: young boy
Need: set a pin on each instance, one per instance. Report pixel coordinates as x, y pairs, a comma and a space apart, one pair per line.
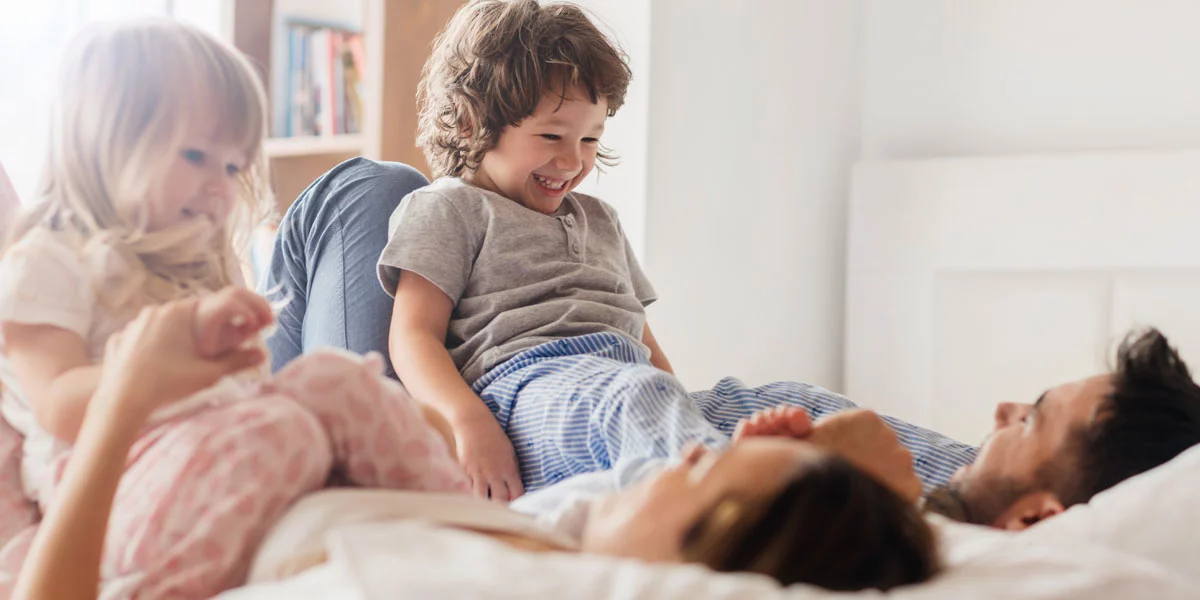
519, 306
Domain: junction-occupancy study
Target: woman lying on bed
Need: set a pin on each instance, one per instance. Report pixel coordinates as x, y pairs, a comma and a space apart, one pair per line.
772, 504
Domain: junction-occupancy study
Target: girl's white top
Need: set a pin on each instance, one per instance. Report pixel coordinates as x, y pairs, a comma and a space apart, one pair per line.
45, 279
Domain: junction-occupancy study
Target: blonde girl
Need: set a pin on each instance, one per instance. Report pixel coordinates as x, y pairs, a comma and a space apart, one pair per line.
154, 175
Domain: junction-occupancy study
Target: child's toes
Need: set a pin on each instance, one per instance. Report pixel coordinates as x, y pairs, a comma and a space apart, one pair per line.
747, 428
754, 426
799, 424
740, 431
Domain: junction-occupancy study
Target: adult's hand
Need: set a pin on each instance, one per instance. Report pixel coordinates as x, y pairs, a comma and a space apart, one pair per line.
154, 361
226, 319
866, 441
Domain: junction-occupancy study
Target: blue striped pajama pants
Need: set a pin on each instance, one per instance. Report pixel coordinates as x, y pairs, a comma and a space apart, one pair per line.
594, 402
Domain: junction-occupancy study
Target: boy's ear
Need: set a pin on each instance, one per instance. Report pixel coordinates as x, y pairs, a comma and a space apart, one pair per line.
1028, 510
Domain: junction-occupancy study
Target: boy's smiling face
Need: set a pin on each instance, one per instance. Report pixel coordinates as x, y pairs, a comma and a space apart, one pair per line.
539, 160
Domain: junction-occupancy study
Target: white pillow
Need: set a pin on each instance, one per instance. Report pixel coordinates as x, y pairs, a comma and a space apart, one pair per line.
1153, 515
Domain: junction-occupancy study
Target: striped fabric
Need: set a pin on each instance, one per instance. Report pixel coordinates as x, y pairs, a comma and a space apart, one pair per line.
594, 402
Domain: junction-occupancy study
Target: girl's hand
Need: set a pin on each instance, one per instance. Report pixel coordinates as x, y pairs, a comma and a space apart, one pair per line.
227, 319
154, 361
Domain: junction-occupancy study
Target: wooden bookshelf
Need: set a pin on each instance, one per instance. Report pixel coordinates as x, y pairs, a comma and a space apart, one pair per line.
321, 145
397, 35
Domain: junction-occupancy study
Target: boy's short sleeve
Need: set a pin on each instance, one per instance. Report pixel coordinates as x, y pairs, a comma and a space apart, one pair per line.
429, 236
43, 281
642, 288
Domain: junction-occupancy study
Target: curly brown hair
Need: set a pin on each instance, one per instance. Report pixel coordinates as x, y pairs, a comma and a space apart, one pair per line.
493, 63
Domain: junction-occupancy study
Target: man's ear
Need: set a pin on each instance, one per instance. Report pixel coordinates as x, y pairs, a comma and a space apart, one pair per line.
1029, 510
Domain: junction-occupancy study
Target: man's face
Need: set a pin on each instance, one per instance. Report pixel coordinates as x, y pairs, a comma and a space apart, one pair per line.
1025, 439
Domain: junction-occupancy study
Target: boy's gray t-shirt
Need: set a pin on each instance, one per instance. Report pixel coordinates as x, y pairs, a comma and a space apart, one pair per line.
518, 278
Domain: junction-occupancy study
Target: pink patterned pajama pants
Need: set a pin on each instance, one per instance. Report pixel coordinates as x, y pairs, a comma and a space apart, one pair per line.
18, 515
201, 491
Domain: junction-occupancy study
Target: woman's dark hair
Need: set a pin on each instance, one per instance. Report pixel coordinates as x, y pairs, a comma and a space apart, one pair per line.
832, 526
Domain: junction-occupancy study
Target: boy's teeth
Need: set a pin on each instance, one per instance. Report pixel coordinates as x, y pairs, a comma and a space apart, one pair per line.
554, 185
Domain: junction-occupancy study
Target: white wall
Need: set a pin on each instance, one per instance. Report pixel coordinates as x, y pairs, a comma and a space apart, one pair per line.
757, 109
32, 38
1029, 76
624, 186
754, 124
1003, 77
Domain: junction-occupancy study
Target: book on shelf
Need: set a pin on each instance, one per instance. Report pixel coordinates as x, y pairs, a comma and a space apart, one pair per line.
321, 87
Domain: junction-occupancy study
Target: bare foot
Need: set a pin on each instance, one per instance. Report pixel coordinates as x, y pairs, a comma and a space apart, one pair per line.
788, 421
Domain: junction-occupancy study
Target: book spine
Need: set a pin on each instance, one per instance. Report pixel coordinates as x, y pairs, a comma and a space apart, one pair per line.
323, 81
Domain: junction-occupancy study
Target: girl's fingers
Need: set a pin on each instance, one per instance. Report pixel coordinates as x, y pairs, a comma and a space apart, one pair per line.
242, 360
258, 310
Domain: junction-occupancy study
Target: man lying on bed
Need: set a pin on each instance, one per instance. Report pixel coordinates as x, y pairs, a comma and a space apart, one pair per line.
1079, 439
1075, 441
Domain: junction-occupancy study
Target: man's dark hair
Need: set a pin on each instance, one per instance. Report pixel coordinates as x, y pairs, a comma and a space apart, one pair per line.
1151, 416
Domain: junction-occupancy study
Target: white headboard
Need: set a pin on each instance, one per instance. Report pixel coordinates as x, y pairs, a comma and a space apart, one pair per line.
973, 281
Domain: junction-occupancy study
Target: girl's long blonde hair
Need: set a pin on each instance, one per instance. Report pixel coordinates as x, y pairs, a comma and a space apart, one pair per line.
126, 97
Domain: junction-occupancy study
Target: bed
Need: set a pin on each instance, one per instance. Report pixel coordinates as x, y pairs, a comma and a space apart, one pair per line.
970, 281
1133, 541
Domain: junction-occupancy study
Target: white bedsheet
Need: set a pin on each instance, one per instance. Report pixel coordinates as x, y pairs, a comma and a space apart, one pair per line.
413, 560
326, 582
1134, 541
